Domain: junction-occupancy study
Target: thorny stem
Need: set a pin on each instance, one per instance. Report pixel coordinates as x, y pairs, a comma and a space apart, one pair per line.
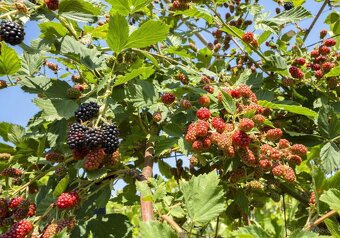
321, 219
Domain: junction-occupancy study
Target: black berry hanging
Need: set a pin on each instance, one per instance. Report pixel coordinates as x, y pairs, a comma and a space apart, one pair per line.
12, 32
288, 5
93, 138
76, 136
86, 111
111, 140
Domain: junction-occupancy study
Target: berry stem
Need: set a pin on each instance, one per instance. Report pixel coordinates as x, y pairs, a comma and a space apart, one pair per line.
321, 219
174, 225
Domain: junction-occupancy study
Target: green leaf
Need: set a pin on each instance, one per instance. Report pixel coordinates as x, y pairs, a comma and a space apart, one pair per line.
16, 134
147, 71
334, 72
9, 60
204, 55
305, 234
144, 189
78, 10
61, 186
151, 32
333, 227
328, 123
290, 108
156, 229
119, 6
138, 5
275, 63
31, 63
97, 174
103, 196
52, 30
274, 24
110, 226
332, 198
56, 109
197, 13
228, 102
252, 232
164, 144
204, 206
118, 33
329, 157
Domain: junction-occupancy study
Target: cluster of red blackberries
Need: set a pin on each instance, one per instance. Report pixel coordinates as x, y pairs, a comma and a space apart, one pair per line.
245, 136
11, 32
320, 61
12, 213
93, 144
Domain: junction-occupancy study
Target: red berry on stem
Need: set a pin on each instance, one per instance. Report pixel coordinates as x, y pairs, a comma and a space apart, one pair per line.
68, 200
168, 98
203, 113
248, 37
240, 138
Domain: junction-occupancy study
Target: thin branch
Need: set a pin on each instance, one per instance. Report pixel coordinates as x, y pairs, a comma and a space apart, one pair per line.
315, 19
174, 225
321, 219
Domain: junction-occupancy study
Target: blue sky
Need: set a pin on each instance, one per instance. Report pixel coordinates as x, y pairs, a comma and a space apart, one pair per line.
17, 107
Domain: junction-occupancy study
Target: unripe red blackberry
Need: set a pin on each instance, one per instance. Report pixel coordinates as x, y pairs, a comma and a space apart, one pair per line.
265, 164
312, 199
157, 116
283, 144
259, 119
224, 141
11, 172
209, 88
299, 149
14, 202
94, 159
248, 157
323, 33
246, 124
168, 98
205, 79
207, 143
230, 152
68, 200
218, 124
52, 4
76, 136
300, 61
86, 111
191, 133
314, 53
3, 208
197, 145
295, 159
240, 138
204, 100
185, 104
274, 134
79, 154
115, 157
289, 175
316, 67
50, 231
19, 230
52, 66
296, 72
12, 32
255, 185
3, 84
318, 74
248, 37
245, 91
54, 157
278, 170
330, 42
193, 161
203, 113
201, 128
324, 50
327, 66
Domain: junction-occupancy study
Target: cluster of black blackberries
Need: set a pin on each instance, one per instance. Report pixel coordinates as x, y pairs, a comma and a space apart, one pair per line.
288, 5
82, 137
12, 32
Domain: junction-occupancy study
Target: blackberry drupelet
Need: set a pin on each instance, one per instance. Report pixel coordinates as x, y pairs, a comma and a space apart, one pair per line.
76, 136
288, 5
93, 138
12, 32
111, 140
86, 111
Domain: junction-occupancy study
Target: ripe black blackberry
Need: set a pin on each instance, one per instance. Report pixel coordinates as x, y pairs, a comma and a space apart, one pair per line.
111, 140
76, 136
288, 5
93, 138
86, 111
12, 32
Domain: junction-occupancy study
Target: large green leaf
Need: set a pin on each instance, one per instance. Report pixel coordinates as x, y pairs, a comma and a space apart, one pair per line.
156, 230
334, 72
31, 63
274, 24
138, 5
78, 10
329, 157
305, 234
9, 60
275, 63
61, 186
119, 6
203, 198
146, 71
290, 108
118, 32
333, 227
328, 123
228, 102
149, 33
332, 198
56, 109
